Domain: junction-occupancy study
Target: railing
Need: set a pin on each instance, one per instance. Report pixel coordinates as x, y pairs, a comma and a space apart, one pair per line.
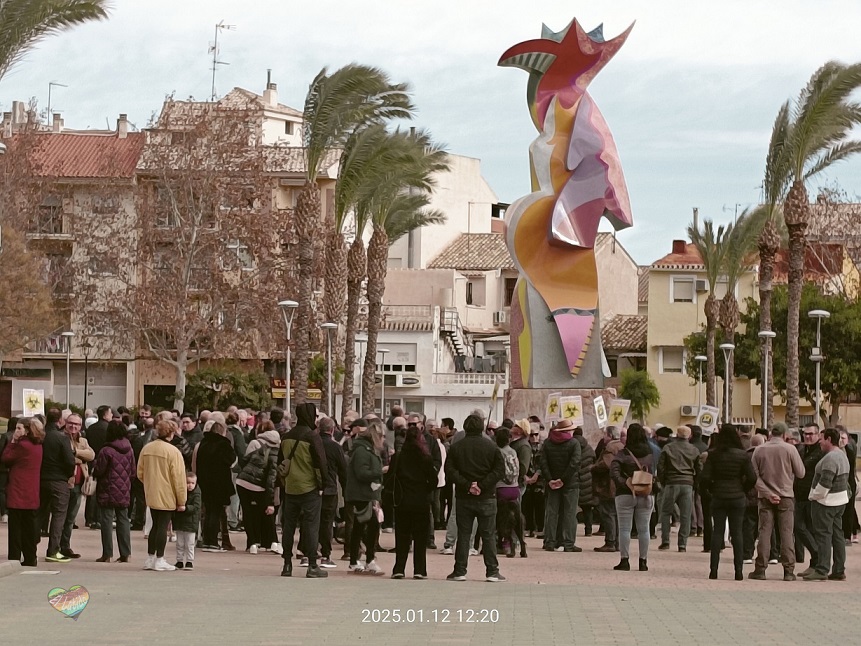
407, 312
452, 328
468, 378
54, 344
47, 221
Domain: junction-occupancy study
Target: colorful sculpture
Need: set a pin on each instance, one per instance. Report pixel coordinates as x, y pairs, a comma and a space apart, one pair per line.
576, 180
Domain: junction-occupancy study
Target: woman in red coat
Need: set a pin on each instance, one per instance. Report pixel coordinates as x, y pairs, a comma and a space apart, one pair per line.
23, 458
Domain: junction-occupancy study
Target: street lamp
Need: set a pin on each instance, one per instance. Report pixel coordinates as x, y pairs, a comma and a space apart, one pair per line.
384, 352
86, 346
816, 353
766, 336
700, 359
68, 336
362, 339
329, 327
288, 310
727, 355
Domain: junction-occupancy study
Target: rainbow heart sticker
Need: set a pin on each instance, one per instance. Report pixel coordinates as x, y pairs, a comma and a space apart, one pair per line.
70, 602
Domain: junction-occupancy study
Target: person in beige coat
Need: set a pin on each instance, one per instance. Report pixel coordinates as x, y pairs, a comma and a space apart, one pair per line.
83, 455
161, 469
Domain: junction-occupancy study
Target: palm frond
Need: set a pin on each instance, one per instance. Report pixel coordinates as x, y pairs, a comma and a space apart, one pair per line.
24, 23
712, 247
831, 156
777, 160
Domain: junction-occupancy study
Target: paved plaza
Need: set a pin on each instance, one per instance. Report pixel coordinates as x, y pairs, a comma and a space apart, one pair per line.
550, 598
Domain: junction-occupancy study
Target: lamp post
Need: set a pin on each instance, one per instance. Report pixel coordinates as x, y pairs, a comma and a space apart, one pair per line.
766, 336
68, 336
816, 354
86, 346
727, 355
700, 359
362, 339
288, 310
384, 352
328, 326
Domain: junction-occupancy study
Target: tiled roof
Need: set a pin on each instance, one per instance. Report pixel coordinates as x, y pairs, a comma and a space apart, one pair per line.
291, 159
84, 155
475, 252
240, 98
821, 262
625, 332
687, 259
837, 223
643, 285
400, 326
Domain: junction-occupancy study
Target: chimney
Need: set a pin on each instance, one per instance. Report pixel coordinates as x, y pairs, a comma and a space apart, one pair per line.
7, 125
679, 246
56, 122
18, 113
696, 219
270, 95
123, 126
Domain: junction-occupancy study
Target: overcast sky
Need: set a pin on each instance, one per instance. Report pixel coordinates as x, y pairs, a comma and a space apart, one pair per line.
690, 98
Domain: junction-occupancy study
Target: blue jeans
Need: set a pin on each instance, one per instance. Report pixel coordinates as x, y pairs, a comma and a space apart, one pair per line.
71, 513
560, 502
451, 527
634, 509
468, 510
672, 495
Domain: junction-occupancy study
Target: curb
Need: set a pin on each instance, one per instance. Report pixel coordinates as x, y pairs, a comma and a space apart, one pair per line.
7, 568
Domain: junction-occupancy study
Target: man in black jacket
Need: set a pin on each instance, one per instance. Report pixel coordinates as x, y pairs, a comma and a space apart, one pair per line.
811, 454
97, 437
58, 466
336, 471
475, 465
560, 467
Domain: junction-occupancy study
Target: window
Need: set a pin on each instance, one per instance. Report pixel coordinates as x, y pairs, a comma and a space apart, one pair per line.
106, 204
671, 359
721, 287
100, 266
510, 284
238, 256
682, 289
48, 220
475, 292
288, 127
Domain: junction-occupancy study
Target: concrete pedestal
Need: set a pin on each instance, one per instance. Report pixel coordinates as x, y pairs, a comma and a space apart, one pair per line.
523, 402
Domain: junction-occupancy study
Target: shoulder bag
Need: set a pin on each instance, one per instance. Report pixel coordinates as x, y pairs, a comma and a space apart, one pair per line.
640, 483
284, 467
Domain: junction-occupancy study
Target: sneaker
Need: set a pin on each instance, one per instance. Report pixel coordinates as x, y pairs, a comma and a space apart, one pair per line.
328, 563
57, 558
807, 572
456, 577
757, 575
189, 565
447, 551
178, 565
303, 562
161, 565
68, 552
573, 548
559, 549
422, 577
149, 564
173, 538
316, 573
837, 577
748, 561
854, 537
495, 578
277, 549
473, 552
212, 548
373, 568
773, 561
664, 546
4, 518
432, 546
345, 557
398, 575
815, 576
356, 567
252, 549
228, 548
386, 530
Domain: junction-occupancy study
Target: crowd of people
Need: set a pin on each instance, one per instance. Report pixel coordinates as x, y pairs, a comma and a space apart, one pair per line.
192, 480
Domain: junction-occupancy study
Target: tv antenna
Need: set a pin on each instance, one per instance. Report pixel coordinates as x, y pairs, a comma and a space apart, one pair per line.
51, 86
213, 49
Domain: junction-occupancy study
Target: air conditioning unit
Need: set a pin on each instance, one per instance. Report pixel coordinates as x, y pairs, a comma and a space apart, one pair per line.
500, 317
702, 285
688, 410
408, 381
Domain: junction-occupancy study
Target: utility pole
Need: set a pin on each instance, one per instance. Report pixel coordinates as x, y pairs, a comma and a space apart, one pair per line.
213, 49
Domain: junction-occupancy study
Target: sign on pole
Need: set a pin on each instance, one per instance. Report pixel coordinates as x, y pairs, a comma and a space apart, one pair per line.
707, 419
34, 402
572, 408
619, 411
600, 411
553, 412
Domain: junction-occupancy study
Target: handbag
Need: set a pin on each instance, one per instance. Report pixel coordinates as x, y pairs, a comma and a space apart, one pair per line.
364, 514
640, 483
284, 467
89, 486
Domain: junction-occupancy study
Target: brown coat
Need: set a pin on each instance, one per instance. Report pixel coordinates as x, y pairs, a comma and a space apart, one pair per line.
83, 454
776, 465
602, 484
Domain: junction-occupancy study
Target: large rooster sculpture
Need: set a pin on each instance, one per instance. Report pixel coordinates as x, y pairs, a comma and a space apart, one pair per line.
576, 180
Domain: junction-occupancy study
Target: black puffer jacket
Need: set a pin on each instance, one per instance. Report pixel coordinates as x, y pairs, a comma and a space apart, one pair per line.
258, 470
727, 474
587, 459
561, 461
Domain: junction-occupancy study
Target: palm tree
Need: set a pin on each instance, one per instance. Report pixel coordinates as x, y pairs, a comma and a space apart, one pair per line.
23, 23
815, 138
397, 203
740, 243
336, 106
712, 247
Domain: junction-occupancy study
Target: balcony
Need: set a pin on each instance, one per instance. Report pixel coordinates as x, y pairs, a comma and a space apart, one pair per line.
48, 225
56, 344
468, 378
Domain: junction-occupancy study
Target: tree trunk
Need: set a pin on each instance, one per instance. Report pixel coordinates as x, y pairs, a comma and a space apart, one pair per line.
335, 273
357, 268
378, 251
712, 307
181, 367
834, 417
769, 244
307, 218
796, 214
730, 318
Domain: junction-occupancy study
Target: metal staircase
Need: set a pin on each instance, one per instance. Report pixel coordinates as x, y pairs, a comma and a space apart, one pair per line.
455, 338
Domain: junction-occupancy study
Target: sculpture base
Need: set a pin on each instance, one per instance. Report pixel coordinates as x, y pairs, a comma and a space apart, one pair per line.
523, 402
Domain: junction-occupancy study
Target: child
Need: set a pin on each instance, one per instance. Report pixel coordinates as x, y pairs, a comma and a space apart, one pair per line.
185, 524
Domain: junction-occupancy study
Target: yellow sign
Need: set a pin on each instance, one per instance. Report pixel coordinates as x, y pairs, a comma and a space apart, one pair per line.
280, 393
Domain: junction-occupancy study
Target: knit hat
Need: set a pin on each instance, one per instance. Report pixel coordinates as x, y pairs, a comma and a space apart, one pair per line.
90, 421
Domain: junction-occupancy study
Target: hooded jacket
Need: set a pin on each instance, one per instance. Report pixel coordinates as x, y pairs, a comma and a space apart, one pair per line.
189, 520
336, 465
524, 456
113, 470
309, 459
261, 465
366, 468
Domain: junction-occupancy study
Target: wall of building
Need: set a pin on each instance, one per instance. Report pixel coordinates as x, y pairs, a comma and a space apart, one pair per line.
419, 287
618, 279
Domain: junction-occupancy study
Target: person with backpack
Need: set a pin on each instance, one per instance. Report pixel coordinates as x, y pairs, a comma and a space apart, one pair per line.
509, 519
560, 468
633, 471
256, 484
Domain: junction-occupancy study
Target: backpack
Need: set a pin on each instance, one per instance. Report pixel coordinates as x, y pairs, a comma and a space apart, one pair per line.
512, 467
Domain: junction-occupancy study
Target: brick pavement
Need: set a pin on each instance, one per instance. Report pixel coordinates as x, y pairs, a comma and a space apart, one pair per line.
550, 598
